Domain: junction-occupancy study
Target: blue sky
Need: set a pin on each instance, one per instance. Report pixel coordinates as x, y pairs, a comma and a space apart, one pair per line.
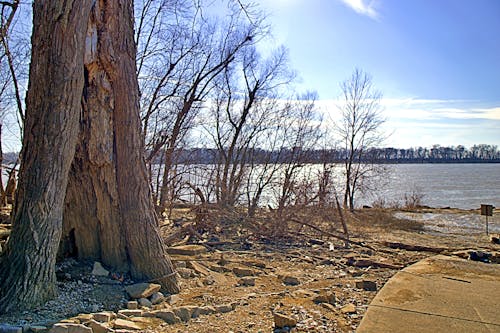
437, 62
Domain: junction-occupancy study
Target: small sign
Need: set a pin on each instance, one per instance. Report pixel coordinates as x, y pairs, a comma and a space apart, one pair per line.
487, 210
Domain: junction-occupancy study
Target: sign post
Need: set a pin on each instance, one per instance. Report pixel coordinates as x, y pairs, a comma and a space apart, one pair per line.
487, 210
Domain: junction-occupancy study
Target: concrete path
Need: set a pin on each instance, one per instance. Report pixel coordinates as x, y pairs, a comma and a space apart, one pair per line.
438, 294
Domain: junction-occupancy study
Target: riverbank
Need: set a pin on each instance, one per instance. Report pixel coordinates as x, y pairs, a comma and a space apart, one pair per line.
255, 284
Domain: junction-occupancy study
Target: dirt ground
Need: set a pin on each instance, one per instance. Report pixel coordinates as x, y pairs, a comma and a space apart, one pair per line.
312, 279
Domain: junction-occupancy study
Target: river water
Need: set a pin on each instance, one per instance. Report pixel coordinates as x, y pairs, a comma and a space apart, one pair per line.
464, 186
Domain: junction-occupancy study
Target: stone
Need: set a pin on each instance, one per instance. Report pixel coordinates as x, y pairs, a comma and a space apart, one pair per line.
209, 280
290, 280
367, 285
198, 268
243, 271
329, 307
4, 328
224, 308
38, 329
349, 308
168, 316
131, 313
103, 317
145, 302
98, 327
325, 298
98, 270
84, 317
207, 310
183, 313
157, 298
194, 310
185, 273
303, 293
282, 321
219, 269
173, 299
187, 250
125, 324
142, 290
132, 305
78, 328
57, 328
246, 281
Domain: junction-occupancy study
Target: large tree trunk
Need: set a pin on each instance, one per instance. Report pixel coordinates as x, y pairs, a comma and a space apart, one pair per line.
109, 213
53, 102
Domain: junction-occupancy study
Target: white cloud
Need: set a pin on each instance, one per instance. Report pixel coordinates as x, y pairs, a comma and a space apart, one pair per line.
363, 7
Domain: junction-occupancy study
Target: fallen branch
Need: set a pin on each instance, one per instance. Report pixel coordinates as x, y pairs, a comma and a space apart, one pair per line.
342, 238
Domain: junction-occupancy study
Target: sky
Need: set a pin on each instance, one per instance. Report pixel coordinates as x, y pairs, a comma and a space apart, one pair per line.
436, 62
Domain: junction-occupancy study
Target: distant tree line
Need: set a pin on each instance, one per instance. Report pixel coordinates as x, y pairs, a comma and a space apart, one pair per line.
481, 153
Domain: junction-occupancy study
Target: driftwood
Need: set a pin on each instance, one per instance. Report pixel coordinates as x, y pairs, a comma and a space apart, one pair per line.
409, 247
327, 233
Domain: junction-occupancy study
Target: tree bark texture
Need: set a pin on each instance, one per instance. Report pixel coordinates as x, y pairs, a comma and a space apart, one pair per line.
109, 212
53, 107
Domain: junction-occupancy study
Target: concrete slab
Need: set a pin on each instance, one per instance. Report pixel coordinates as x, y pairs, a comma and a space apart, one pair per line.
438, 294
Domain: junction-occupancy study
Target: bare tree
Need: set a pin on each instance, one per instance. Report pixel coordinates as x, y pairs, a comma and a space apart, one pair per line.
359, 131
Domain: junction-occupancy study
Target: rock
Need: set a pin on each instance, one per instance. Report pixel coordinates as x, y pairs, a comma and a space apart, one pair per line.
243, 271
84, 317
180, 264
183, 313
187, 250
207, 310
157, 298
479, 256
145, 302
219, 269
493, 239
367, 285
328, 307
303, 293
103, 317
4, 328
58, 328
281, 321
224, 308
185, 273
125, 324
132, 305
168, 316
209, 280
172, 299
98, 327
198, 268
142, 290
255, 263
290, 280
246, 281
194, 310
98, 270
131, 313
38, 329
325, 298
349, 308
78, 328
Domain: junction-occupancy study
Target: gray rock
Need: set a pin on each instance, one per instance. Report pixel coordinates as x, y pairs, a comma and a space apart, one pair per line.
172, 299
98, 270
367, 285
168, 316
184, 313
157, 298
207, 310
142, 290
145, 302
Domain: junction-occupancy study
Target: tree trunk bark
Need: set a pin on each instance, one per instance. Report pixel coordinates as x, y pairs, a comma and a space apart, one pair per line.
109, 212
53, 103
